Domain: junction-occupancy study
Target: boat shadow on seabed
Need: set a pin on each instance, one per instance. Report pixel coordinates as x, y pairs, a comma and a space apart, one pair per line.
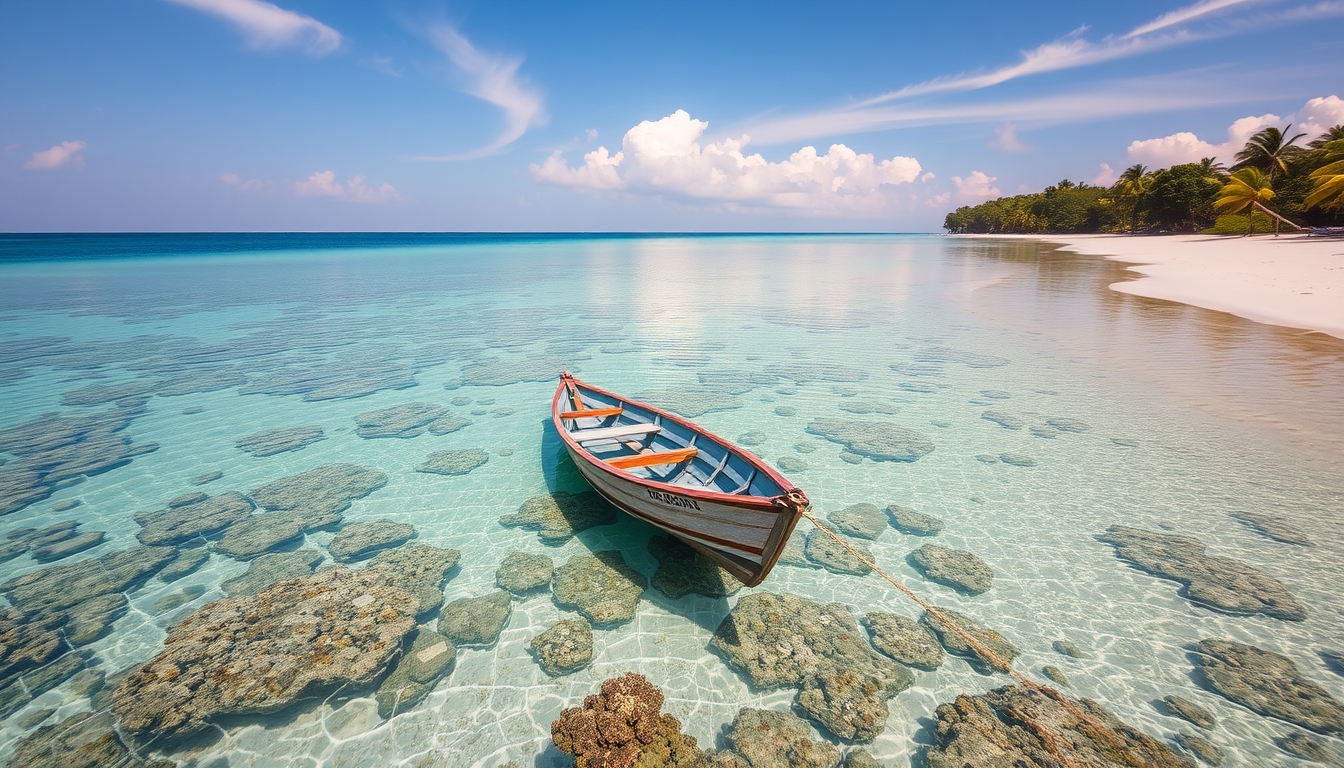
633, 539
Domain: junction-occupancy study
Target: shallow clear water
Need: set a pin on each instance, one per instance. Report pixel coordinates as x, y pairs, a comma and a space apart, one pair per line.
1219, 414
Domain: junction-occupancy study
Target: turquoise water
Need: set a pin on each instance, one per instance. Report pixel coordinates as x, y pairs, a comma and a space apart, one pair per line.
1213, 415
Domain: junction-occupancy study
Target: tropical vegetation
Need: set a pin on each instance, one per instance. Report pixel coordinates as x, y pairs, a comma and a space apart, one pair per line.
1274, 181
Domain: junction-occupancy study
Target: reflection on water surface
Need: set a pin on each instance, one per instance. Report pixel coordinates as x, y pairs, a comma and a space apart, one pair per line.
303, 392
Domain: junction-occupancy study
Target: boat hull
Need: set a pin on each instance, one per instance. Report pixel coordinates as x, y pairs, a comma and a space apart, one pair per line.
743, 534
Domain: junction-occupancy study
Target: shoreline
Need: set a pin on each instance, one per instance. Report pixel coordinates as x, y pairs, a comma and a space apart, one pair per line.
1291, 280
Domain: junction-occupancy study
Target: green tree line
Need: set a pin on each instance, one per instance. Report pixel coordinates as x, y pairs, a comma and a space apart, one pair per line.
1275, 182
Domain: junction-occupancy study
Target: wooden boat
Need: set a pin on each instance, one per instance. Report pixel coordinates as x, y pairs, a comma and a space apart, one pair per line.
670, 473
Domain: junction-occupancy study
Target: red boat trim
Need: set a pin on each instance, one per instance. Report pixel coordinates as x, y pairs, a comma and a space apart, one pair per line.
695, 493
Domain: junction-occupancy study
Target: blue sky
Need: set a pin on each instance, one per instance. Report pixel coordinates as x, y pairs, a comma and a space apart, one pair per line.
306, 115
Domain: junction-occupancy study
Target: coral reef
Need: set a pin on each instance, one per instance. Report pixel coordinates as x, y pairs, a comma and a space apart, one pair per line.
863, 520
524, 572
269, 442
177, 524
683, 570
454, 462
257, 655
827, 552
430, 657
907, 520
781, 640
358, 541
476, 620
558, 516
875, 440
904, 640
417, 568
1271, 528
1269, 684
622, 727
565, 647
269, 569
760, 738
1217, 582
958, 646
954, 567
600, 586
989, 730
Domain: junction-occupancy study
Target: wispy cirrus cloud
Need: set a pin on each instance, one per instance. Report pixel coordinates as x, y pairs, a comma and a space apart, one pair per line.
1074, 50
493, 78
267, 25
1097, 101
64, 154
1202, 20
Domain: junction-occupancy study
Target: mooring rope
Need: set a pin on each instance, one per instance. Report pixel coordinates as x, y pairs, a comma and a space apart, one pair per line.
1049, 739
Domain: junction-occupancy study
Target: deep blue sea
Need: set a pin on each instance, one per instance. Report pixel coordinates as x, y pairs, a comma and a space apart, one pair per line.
134, 367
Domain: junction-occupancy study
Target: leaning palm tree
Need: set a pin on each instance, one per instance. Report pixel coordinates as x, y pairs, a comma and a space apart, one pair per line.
1269, 151
1213, 169
1132, 185
1246, 190
1332, 134
1327, 182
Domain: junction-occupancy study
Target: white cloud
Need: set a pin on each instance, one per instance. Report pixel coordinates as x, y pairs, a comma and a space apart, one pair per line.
59, 156
1190, 24
927, 176
591, 133
976, 186
324, 184
269, 26
665, 157
320, 184
1315, 117
1186, 14
1097, 101
1105, 177
1007, 140
251, 186
494, 79
1318, 116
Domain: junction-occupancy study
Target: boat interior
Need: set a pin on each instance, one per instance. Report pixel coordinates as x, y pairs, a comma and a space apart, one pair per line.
640, 441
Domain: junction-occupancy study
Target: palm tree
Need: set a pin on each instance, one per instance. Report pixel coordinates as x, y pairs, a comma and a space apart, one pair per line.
1333, 134
1327, 188
1246, 190
1269, 151
1213, 169
1132, 185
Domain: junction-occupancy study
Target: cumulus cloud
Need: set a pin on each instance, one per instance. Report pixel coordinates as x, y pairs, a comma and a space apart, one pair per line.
324, 184
1318, 116
1313, 119
266, 25
666, 157
59, 156
1007, 140
1105, 177
494, 79
976, 186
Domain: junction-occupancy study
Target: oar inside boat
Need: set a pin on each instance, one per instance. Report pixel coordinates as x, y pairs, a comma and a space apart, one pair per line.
676, 475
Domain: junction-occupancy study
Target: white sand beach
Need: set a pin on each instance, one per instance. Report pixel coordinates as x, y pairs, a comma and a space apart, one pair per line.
1290, 280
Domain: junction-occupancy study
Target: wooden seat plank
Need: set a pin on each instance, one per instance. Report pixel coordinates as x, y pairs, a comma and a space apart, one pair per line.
613, 433
654, 459
592, 412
